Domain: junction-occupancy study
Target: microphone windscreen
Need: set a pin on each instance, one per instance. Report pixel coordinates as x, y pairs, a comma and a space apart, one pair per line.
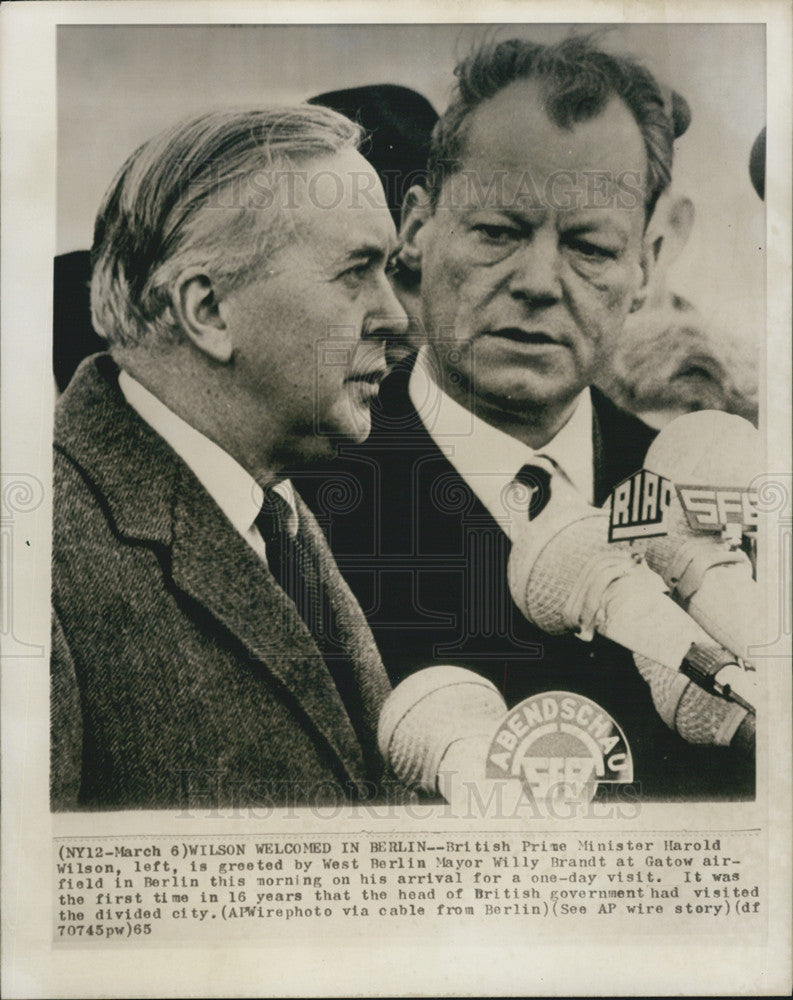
708, 574
551, 557
570, 578
708, 448
428, 712
731, 608
695, 714
669, 554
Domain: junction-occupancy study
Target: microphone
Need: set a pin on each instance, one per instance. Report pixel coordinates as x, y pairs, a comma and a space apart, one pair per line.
565, 576
706, 571
439, 722
695, 714
710, 446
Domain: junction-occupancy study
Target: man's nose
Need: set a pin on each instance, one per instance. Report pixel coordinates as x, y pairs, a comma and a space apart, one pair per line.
389, 320
536, 268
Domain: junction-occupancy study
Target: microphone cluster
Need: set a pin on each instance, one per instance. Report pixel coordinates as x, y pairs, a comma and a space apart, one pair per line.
685, 603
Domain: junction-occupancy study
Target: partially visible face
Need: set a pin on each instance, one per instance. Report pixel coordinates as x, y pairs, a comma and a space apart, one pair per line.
534, 252
309, 333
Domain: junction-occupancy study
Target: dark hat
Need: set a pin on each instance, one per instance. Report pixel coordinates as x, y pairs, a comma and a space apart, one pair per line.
399, 122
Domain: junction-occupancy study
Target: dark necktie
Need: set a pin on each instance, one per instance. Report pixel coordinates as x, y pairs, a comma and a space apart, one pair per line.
297, 573
288, 562
538, 480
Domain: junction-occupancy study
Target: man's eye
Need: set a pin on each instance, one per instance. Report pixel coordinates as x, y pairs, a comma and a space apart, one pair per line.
393, 265
592, 251
356, 273
495, 233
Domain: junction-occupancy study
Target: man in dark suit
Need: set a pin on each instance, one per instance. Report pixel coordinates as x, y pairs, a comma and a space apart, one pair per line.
529, 245
206, 650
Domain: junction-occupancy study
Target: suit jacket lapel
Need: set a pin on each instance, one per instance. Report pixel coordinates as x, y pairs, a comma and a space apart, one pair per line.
349, 625
601, 477
218, 570
620, 443
620, 440
465, 499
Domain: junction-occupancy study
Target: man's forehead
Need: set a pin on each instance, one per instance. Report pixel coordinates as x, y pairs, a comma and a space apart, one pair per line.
348, 233
340, 212
333, 205
512, 132
344, 180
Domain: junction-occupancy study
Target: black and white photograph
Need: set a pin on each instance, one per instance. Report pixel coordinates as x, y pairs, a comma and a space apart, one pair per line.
403, 530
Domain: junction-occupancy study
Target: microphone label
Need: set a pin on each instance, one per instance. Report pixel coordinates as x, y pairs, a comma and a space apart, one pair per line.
713, 508
562, 747
638, 506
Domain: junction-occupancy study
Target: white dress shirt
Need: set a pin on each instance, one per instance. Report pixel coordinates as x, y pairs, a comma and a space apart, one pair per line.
233, 489
488, 459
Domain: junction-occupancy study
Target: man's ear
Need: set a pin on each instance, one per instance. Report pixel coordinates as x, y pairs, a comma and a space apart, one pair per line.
680, 221
196, 305
666, 237
416, 210
647, 263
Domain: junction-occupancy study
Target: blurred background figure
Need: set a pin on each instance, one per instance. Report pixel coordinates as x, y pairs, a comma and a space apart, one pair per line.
670, 359
398, 122
672, 364
73, 336
757, 164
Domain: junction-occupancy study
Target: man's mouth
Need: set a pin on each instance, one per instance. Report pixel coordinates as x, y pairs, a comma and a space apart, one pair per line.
537, 338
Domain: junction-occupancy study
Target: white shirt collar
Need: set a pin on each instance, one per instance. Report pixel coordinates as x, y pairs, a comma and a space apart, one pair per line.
487, 458
232, 488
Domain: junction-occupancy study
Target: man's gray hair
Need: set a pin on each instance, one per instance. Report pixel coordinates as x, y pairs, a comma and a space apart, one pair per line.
157, 217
